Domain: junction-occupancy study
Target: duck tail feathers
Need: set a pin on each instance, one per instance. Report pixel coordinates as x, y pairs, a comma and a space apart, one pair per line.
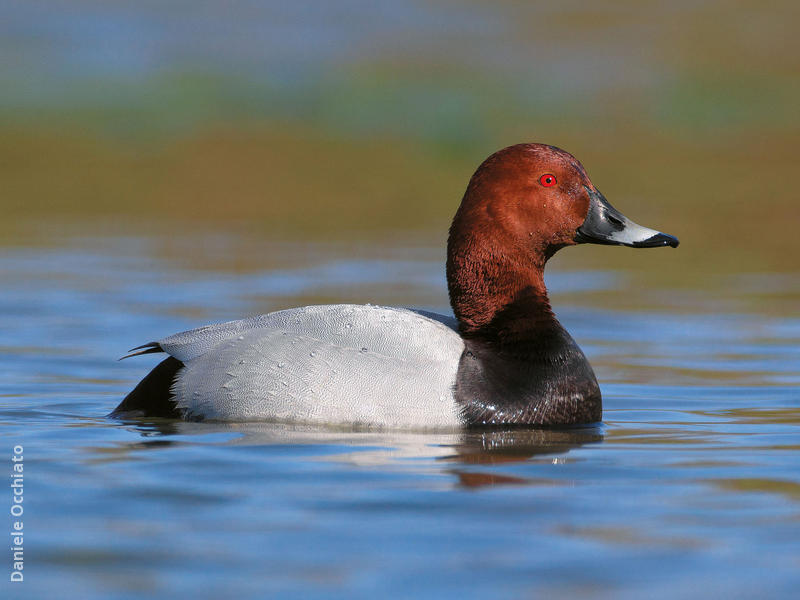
149, 348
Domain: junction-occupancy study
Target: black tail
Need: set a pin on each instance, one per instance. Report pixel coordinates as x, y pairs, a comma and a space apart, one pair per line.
152, 397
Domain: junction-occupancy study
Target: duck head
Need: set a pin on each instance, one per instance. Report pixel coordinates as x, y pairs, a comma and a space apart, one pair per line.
523, 204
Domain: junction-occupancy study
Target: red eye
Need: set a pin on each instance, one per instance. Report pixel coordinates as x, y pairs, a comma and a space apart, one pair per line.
548, 180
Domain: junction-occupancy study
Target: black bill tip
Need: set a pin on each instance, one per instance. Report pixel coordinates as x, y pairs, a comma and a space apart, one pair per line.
658, 240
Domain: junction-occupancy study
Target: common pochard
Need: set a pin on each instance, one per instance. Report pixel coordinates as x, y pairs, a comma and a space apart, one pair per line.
503, 360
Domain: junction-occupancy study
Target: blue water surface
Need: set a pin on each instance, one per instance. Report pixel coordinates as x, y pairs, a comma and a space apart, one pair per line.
689, 487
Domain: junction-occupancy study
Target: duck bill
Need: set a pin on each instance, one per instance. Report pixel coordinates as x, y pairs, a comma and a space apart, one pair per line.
604, 224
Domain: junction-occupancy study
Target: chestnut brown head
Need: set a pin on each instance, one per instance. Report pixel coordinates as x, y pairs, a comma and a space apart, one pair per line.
523, 204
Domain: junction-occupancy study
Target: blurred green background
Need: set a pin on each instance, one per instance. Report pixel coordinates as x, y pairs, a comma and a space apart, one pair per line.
360, 120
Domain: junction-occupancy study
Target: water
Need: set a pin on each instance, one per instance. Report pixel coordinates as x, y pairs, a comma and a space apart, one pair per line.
691, 482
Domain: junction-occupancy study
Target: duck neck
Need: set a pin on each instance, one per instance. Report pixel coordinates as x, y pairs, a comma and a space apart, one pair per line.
503, 302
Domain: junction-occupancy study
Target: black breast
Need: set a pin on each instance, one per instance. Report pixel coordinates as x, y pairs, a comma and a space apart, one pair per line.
546, 381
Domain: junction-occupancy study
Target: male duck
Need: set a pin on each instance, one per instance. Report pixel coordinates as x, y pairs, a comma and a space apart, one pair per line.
505, 359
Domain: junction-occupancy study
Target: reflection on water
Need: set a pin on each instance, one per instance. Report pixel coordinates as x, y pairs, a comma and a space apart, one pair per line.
379, 449
691, 480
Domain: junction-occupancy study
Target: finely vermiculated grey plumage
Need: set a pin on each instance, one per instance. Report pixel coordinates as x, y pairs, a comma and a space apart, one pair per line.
346, 364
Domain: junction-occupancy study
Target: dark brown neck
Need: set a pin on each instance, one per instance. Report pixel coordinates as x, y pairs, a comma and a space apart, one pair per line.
501, 299
527, 318
519, 365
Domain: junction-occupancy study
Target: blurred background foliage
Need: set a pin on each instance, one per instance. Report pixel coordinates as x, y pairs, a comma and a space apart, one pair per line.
359, 120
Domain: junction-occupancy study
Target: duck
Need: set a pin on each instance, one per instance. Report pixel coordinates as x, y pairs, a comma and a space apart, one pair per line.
502, 359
